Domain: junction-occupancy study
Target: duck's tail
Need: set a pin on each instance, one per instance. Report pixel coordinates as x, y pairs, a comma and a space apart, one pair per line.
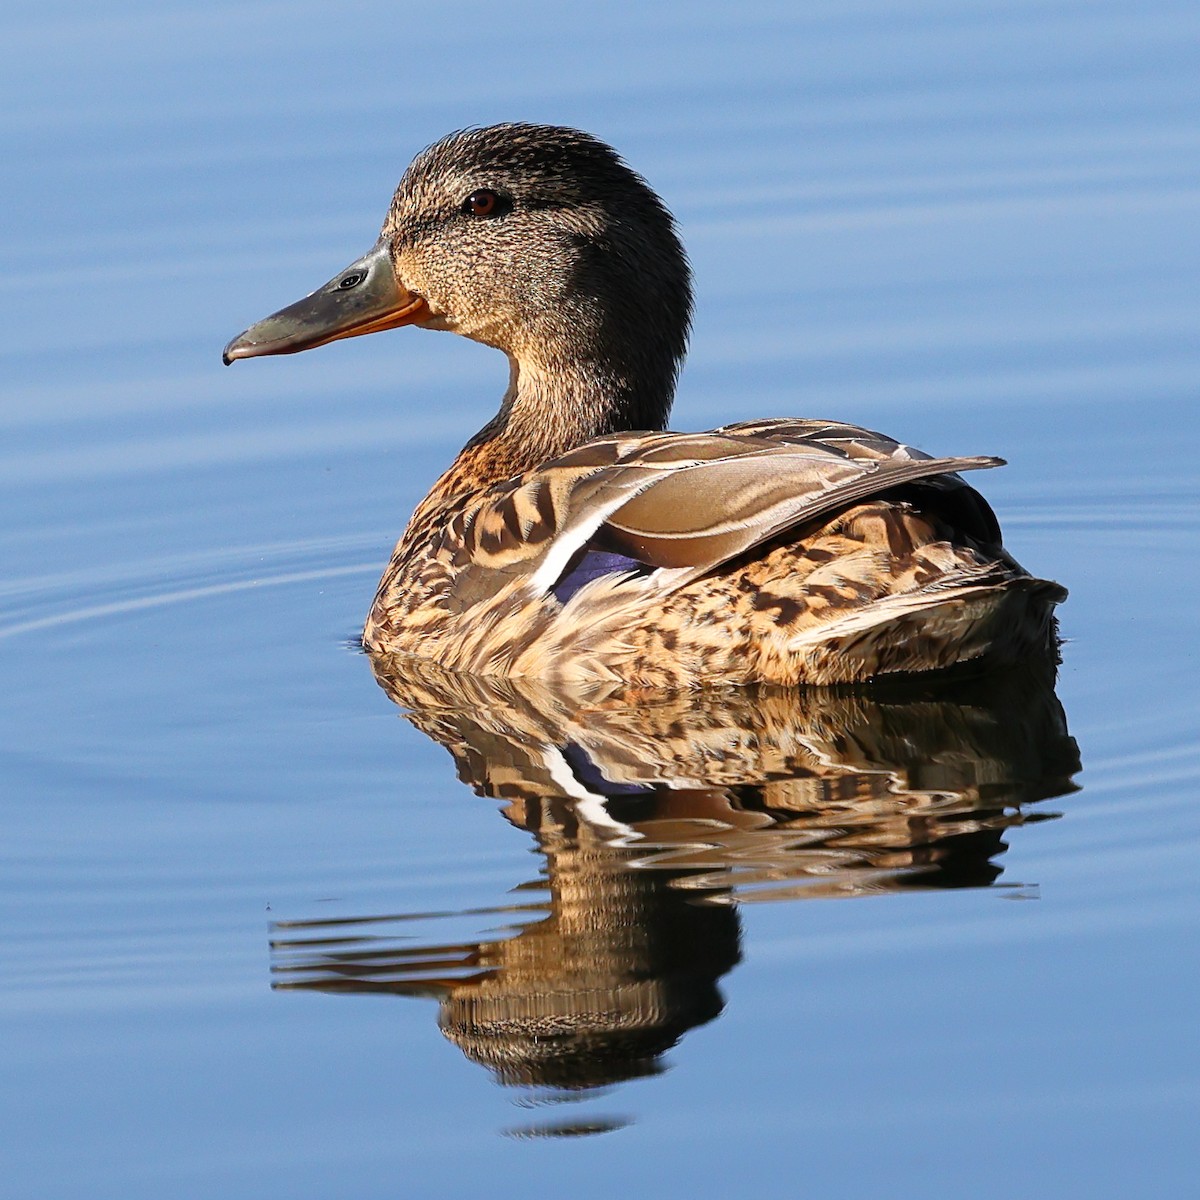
989, 621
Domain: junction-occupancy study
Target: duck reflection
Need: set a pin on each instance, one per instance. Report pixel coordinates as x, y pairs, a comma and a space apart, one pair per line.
654, 813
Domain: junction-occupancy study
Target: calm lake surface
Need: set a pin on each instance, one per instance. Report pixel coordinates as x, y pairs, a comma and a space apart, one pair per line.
264, 937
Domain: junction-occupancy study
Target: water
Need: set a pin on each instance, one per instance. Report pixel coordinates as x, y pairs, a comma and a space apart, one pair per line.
970, 225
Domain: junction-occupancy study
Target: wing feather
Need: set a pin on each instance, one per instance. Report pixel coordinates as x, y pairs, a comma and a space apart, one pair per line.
703, 515
683, 503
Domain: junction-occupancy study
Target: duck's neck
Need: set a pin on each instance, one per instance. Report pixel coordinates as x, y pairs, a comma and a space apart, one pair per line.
549, 409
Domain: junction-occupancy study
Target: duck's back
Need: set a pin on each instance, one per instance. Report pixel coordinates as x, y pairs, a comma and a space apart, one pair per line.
783, 551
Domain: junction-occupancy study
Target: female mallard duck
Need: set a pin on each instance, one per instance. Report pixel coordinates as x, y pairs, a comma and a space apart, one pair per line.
567, 542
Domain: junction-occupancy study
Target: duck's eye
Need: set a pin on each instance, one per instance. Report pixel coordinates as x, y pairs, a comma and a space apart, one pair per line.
483, 202
351, 281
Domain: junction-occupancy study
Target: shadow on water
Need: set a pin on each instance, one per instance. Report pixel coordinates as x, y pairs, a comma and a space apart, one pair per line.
656, 815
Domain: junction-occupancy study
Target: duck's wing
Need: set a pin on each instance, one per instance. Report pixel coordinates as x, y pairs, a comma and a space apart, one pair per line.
677, 505
948, 494
702, 515
852, 440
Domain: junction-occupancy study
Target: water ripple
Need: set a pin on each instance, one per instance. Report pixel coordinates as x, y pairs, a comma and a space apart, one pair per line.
178, 580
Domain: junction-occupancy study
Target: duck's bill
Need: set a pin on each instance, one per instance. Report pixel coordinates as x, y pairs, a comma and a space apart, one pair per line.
364, 298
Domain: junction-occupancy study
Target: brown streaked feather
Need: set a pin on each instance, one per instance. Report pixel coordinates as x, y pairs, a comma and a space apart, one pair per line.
669, 500
771, 560
703, 515
851, 440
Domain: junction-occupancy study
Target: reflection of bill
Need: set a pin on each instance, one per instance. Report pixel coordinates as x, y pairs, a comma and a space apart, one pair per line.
654, 812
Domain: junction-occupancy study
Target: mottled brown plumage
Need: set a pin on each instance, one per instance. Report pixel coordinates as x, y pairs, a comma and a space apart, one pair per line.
566, 543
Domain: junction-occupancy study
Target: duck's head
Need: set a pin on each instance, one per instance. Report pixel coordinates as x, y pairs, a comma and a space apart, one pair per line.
535, 239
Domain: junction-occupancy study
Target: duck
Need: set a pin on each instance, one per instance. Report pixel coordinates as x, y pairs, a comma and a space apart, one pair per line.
575, 539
